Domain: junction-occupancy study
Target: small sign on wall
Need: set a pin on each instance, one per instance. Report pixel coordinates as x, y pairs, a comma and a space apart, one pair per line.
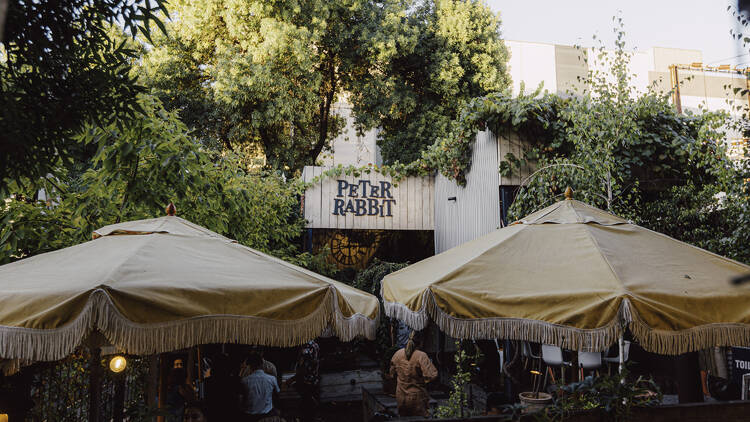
368, 202
740, 363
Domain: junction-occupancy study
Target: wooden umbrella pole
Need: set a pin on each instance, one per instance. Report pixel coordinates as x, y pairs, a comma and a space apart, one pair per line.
95, 384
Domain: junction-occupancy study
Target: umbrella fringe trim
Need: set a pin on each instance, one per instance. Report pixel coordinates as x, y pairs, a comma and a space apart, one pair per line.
101, 314
30, 344
348, 328
157, 338
592, 340
136, 338
666, 342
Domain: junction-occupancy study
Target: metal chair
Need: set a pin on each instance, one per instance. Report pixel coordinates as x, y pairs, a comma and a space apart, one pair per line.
529, 357
588, 360
553, 356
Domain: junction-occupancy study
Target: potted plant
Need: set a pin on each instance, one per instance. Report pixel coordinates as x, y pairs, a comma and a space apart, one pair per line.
535, 400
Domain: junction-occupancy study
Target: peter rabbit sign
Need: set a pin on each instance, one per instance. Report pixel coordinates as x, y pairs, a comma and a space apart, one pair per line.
368, 202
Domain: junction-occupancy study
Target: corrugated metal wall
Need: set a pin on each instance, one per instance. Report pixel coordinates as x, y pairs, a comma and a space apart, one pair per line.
476, 209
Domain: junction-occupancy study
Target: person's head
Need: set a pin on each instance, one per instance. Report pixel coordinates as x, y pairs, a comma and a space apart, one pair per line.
195, 412
257, 350
221, 365
495, 403
254, 361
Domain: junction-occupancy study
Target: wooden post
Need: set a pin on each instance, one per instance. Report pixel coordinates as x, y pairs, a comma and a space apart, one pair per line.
152, 385
118, 410
689, 386
18, 403
163, 373
95, 384
190, 365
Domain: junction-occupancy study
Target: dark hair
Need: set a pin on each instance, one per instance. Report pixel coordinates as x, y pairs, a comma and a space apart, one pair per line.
197, 404
221, 365
254, 360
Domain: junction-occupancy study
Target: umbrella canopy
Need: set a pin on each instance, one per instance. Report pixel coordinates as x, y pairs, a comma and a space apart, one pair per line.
575, 276
163, 284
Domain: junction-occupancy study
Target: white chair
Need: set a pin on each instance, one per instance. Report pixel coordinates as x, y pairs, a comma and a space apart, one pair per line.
588, 360
616, 359
553, 356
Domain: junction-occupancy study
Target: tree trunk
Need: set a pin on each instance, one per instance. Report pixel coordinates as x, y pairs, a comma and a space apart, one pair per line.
325, 112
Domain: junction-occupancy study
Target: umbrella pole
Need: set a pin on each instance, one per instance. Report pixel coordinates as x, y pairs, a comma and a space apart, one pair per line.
95, 384
621, 354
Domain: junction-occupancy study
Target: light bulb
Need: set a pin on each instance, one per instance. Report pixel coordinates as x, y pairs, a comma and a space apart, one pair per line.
118, 364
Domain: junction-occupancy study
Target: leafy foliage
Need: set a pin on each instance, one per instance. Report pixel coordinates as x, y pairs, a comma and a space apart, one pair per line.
264, 77
368, 280
618, 149
438, 56
715, 217
616, 395
61, 68
140, 167
457, 405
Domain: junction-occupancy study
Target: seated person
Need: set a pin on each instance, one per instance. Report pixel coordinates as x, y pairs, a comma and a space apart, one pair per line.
258, 390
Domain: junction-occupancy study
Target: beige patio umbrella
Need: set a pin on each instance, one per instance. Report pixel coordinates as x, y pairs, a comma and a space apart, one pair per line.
575, 276
157, 285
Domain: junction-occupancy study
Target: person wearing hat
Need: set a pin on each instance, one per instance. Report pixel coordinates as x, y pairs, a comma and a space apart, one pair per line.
413, 370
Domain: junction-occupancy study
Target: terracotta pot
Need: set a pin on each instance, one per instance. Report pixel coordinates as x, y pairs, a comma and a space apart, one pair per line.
534, 402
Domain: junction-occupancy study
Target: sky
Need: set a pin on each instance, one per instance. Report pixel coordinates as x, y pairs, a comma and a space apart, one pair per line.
691, 24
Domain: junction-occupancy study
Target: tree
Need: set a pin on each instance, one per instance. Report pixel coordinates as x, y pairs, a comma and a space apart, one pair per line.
137, 169
621, 150
59, 70
443, 53
264, 75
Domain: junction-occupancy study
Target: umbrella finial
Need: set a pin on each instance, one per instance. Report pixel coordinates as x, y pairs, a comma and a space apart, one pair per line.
568, 193
171, 209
